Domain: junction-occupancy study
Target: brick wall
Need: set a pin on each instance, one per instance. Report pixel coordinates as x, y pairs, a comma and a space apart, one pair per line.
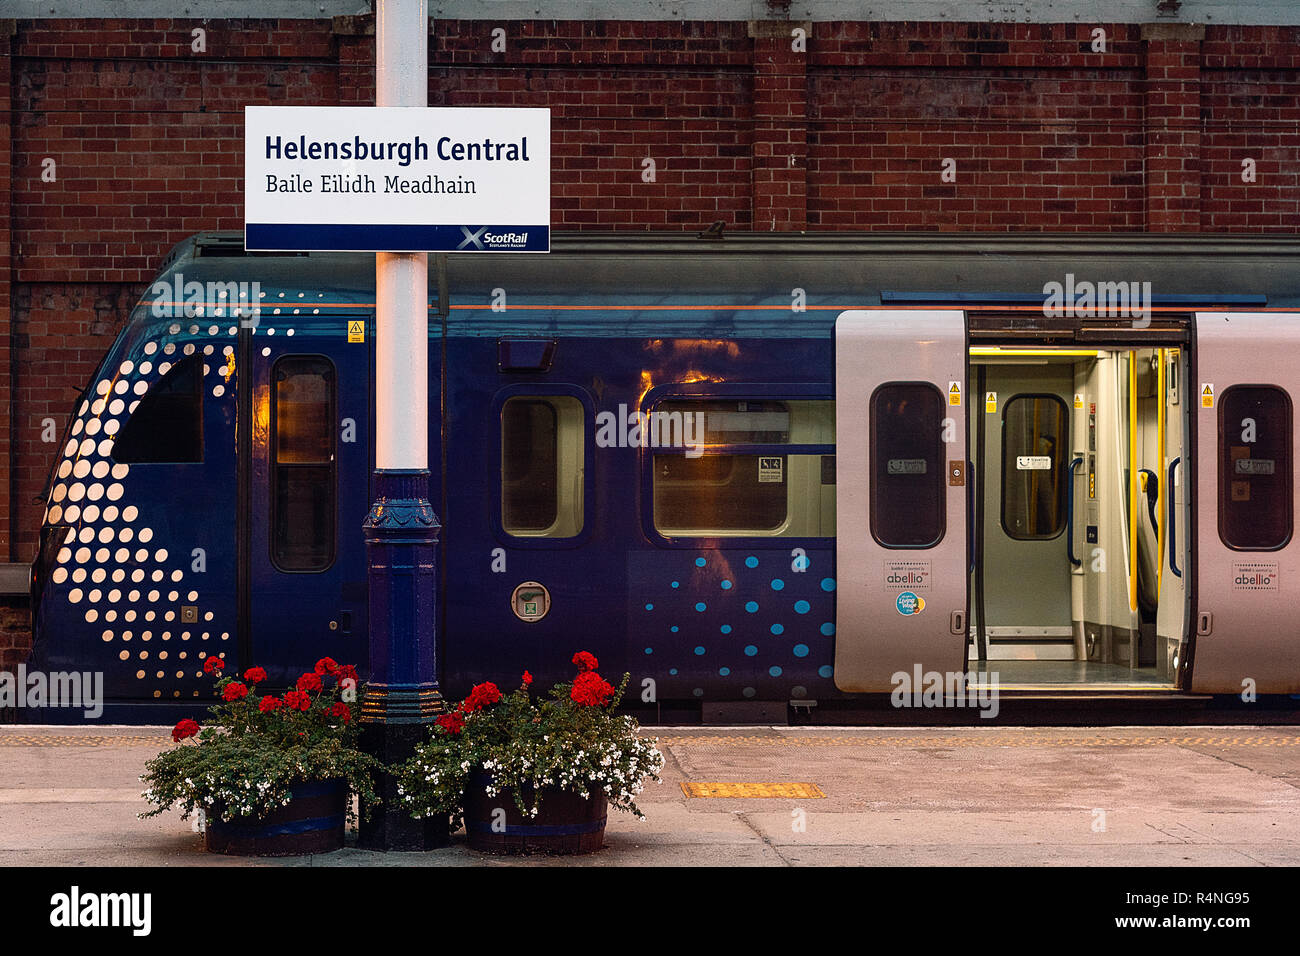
852, 131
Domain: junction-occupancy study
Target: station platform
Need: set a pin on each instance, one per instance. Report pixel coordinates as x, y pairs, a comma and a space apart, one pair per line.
776, 796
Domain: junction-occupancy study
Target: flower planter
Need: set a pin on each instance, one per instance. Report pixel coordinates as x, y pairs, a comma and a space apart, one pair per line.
311, 823
566, 823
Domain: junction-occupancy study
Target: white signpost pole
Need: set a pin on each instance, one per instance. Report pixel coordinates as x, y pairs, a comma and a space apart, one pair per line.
401, 531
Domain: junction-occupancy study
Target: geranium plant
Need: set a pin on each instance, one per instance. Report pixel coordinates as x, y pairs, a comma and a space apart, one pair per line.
256, 746
569, 739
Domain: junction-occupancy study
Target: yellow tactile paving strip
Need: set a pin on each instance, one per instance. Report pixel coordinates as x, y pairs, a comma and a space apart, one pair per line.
902, 740
84, 740
798, 791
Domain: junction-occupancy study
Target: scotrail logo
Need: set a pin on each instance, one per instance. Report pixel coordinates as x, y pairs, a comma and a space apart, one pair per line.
75, 909
951, 689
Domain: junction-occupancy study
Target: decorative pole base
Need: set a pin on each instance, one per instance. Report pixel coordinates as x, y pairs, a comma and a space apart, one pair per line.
402, 698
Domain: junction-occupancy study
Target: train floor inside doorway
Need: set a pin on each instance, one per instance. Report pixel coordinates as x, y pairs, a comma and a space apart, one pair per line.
1072, 674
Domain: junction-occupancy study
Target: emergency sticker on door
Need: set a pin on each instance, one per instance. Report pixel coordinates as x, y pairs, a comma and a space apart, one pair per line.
1207, 395
769, 470
913, 575
909, 604
954, 393
1254, 576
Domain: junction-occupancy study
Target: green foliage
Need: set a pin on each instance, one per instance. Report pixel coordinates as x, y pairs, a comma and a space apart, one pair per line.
568, 739
255, 747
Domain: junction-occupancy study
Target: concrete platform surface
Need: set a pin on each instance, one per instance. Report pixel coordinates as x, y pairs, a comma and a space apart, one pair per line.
1217, 796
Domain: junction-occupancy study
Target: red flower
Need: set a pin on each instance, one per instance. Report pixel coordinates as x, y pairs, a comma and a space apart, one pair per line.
480, 696
255, 675
269, 704
186, 728
528, 678
591, 690
326, 665
213, 665
347, 672
297, 700
342, 711
453, 722
585, 661
309, 682
234, 691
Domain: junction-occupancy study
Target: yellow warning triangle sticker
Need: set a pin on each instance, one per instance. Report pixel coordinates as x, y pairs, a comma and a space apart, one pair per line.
356, 330
1207, 395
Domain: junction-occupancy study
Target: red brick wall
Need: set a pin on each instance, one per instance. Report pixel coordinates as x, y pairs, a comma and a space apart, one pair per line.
851, 133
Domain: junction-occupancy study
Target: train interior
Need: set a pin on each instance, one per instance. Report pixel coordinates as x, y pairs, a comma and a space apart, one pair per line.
1078, 516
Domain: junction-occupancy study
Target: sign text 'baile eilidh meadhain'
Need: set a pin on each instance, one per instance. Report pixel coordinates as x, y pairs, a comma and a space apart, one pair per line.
397, 179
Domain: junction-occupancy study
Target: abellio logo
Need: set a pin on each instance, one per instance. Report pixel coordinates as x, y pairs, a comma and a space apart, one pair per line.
1256, 580
908, 578
909, 603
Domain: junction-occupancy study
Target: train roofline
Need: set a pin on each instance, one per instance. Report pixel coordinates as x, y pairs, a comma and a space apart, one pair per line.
229, 244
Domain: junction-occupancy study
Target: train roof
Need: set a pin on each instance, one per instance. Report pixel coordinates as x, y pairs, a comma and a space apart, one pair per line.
761, 272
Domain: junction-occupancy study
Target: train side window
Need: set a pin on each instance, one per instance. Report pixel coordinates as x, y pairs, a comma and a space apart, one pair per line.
907, 465
304, 487
1255, 507
760, 468
167, 425
543, 446
1034, 443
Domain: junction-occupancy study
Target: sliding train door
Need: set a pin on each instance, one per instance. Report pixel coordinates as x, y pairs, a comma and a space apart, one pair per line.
308, 496
901, 496
1247, 558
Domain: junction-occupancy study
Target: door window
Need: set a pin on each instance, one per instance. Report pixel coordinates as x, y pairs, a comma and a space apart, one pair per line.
1255, 507
304, 488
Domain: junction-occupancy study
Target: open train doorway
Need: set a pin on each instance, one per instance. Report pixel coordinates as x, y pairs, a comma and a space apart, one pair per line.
1078, 516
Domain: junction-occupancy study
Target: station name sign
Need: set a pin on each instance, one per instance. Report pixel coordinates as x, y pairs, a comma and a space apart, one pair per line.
396, 179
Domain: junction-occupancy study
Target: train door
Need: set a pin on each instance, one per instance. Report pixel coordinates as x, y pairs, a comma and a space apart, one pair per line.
1247, 558
1173, 574
901, 496
308, 496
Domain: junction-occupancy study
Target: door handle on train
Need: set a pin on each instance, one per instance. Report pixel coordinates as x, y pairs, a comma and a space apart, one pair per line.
1172, 519
957, 622
1069, 513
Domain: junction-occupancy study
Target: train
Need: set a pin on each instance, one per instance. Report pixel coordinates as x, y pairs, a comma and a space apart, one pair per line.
778, 472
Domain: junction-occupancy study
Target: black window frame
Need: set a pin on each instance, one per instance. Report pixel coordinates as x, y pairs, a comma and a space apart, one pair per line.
1062, 456
273, 464
941, 471
1221, 466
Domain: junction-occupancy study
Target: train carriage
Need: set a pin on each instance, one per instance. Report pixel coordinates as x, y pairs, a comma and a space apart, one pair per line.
762, 470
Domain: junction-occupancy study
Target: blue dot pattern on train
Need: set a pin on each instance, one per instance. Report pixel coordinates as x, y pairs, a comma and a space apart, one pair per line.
782, 646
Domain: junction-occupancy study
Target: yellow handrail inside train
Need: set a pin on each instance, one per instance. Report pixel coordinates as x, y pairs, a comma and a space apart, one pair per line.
1132, 480
1161, 490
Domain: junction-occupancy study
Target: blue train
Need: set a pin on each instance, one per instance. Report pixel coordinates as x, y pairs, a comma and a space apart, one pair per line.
766, 470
